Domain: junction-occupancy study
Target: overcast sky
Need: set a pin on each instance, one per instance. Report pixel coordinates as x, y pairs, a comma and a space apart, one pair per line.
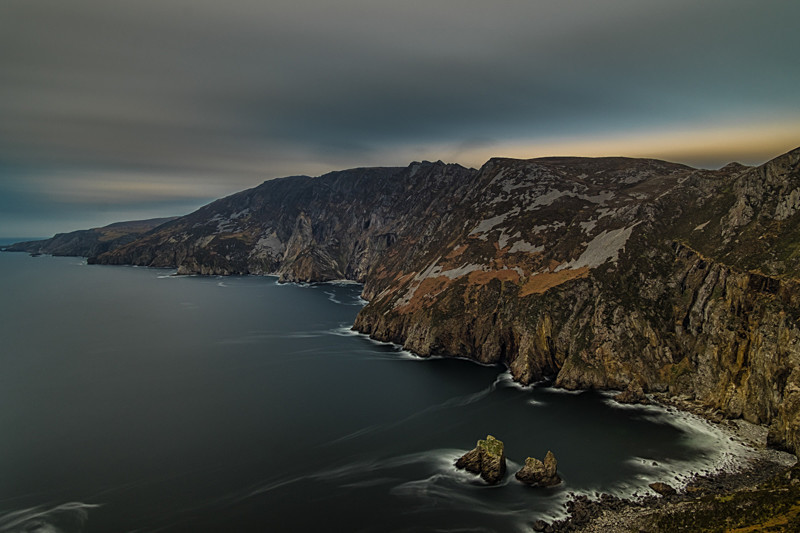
114, 110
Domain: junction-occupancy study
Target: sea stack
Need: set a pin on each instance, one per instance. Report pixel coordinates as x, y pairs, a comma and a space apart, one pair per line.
540, 474
488, 459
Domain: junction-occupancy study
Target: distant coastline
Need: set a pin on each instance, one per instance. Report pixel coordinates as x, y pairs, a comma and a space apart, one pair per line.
8, 241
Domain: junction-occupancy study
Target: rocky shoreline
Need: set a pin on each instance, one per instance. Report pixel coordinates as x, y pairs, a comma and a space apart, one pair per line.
604, 273
769, 471
763, 495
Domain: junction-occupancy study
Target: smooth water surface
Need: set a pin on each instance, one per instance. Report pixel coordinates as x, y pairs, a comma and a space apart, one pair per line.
133, 400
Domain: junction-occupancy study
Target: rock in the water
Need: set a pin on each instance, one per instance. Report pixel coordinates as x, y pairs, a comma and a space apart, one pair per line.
540, 525
662, 488
538, 473
633, 394
487, 459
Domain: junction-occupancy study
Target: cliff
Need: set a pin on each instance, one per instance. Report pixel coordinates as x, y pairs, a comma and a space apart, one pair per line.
337, 226
592, 272
89, 242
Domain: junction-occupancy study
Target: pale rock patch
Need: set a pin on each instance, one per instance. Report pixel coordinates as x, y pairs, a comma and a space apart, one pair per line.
604, 247
522, 246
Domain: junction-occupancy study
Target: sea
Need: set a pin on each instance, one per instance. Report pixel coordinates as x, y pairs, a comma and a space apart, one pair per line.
135, 400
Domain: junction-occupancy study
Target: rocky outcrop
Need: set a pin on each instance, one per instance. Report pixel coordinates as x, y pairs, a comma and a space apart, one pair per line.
487, 459
596, 273
540, 474
676, 307
633, 394
662, 488
90, 242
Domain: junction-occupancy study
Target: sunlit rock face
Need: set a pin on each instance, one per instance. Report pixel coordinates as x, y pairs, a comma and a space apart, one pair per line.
488, 459
540, 473
592, 272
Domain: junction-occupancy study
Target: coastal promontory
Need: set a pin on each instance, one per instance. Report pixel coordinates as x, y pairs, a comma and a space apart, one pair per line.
605, 273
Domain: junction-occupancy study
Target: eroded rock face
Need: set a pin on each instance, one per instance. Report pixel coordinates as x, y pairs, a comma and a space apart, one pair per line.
538, 473
336, 226
633, 394
594, 272
487, 459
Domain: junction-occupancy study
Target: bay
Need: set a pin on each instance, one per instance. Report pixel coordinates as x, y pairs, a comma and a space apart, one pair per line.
135, 400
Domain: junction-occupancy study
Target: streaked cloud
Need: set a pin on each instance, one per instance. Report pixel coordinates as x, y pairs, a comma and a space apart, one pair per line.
179, 101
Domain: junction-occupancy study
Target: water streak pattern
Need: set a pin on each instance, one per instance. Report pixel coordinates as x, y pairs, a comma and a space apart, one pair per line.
132, 400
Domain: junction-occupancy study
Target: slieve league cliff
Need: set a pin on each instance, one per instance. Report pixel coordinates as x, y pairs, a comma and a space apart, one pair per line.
592, 272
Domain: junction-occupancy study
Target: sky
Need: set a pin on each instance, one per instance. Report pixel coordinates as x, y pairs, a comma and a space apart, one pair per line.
116, 110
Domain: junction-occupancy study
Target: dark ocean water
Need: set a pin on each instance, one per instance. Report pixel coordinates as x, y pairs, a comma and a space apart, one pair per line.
132, 400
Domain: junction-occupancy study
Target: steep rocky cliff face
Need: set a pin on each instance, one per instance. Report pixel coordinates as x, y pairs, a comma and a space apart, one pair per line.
685, 281
591, 272
336, 226
90, 242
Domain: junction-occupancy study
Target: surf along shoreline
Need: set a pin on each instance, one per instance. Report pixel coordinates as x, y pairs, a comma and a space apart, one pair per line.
762, 490
762, 483
756, 490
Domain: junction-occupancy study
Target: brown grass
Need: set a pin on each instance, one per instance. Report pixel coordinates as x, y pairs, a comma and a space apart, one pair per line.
545, 281
456, 251
402, 278
480, 277
425, 293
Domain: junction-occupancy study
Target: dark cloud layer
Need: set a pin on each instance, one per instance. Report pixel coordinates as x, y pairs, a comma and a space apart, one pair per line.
111, 108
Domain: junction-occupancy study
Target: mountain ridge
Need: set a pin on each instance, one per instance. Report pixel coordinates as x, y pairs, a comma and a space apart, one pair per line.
89, 242
593, 272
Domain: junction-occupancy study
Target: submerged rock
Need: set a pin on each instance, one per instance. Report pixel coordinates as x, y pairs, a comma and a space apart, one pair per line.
487, 459
633, 393
662, 488
538, 473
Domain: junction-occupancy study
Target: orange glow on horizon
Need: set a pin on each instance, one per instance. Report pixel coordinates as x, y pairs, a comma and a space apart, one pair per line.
751, 144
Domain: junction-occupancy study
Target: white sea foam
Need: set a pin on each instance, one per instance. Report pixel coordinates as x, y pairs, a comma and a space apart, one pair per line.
444, 485
344, 331
448, 486
559, 390
341, 282
45, 519
718, 451
332, 297
507, 380
400, 352
409, 355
